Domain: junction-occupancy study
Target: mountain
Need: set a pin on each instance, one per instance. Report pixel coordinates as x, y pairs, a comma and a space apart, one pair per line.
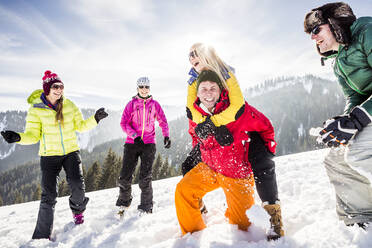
294, 105
308, 209
108, 129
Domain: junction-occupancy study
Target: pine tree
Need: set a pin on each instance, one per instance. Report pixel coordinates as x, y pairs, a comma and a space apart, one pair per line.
37, 193
164, 170
92, 178
156, 167
108, 169
1, 201
18, 197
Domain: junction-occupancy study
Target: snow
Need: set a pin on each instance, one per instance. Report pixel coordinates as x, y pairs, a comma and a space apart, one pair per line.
308, 86
308, 209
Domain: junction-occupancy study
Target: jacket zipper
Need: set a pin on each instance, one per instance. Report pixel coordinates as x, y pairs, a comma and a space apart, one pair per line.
148, 117
144, 118
348, 81
60, 131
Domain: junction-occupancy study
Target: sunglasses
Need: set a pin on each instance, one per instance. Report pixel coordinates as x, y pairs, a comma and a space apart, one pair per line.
146, 87
315, 30
57, 86
193, 54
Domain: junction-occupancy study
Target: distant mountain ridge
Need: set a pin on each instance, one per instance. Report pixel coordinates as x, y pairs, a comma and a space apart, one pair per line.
293, 104
109, 129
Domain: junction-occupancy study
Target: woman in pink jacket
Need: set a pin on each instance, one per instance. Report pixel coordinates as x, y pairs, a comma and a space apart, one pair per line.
138, 122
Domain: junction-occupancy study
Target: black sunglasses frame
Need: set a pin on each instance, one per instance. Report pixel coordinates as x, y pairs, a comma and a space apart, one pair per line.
142, 86
57, 86
193, 54
315, 30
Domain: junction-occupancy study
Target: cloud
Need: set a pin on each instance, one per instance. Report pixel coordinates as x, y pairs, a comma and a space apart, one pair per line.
100, 48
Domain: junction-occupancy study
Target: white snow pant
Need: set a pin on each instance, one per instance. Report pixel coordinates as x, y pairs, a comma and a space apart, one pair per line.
350, 172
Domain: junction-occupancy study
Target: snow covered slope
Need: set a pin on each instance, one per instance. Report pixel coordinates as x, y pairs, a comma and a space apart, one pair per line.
308, 206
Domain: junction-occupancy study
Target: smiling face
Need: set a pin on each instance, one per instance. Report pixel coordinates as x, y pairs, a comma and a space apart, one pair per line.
143, 91
56, 92
208, 93
325, 39
195, 61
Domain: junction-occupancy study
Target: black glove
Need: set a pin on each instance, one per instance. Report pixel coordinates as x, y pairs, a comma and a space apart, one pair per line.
340, 129
138, 141
100, 114
11, 136
223, 136
167, 142
205, 128
192, 159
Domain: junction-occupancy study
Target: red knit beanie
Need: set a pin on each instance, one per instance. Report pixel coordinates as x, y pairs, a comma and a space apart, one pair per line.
49, 79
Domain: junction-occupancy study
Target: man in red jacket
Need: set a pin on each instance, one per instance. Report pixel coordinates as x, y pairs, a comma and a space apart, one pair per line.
224, 152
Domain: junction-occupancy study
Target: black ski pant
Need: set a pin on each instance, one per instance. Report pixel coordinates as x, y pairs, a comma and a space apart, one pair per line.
263, 167
130, 158
50, 169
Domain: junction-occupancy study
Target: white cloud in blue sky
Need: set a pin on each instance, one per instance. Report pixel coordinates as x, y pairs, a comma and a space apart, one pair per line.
99, 48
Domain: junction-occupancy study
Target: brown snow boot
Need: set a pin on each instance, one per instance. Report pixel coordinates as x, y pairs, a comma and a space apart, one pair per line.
202, 207
275, 213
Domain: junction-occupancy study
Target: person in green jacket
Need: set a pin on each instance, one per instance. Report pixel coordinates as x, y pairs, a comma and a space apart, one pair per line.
340, 35
53, 120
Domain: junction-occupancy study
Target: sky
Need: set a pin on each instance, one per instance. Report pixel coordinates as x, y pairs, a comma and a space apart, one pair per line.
307, 203
100, 48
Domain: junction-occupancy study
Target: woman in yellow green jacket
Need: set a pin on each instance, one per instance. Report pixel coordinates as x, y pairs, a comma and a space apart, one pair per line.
53, 120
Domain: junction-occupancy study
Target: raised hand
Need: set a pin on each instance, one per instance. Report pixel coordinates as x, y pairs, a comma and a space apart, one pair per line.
100, 114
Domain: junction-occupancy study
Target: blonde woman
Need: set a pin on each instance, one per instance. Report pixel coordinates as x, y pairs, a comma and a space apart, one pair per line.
261, 151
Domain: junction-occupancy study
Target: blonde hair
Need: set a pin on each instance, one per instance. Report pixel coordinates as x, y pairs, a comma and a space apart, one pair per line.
208, 56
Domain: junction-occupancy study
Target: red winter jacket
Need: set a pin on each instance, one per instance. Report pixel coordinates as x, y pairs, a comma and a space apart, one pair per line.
232, 161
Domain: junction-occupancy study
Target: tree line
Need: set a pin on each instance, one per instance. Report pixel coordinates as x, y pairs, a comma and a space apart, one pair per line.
22, 184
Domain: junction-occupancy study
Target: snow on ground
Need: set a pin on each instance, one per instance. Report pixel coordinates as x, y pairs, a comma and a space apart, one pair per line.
308, 206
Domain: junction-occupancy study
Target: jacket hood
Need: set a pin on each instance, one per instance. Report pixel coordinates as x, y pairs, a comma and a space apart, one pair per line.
35, 97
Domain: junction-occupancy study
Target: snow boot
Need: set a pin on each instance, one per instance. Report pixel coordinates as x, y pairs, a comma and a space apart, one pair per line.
78, 218
363, 225
144, 211
275, 213
202, 207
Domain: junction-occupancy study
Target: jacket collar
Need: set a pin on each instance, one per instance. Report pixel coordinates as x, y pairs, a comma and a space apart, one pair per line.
194, 74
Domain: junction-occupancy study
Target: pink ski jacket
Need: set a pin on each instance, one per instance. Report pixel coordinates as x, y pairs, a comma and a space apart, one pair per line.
138, 119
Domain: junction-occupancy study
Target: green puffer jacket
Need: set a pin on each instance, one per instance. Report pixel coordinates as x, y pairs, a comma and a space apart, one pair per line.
55, 138
353, 66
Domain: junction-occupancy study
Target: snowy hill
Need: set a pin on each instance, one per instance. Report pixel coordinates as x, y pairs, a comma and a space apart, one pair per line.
308, 206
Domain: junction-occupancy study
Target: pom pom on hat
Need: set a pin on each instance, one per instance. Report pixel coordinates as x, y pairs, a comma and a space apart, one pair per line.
49, 79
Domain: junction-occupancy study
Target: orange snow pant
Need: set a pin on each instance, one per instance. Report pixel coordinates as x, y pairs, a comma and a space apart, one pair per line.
201, 180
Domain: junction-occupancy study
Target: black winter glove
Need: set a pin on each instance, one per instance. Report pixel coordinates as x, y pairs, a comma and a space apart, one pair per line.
11, 136
223, 136
192, 159
340, 129
167, 142
138, 141
100, 114
205, 128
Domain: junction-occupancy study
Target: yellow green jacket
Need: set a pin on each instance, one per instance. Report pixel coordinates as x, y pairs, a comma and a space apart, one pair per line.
55, 138
228, 115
